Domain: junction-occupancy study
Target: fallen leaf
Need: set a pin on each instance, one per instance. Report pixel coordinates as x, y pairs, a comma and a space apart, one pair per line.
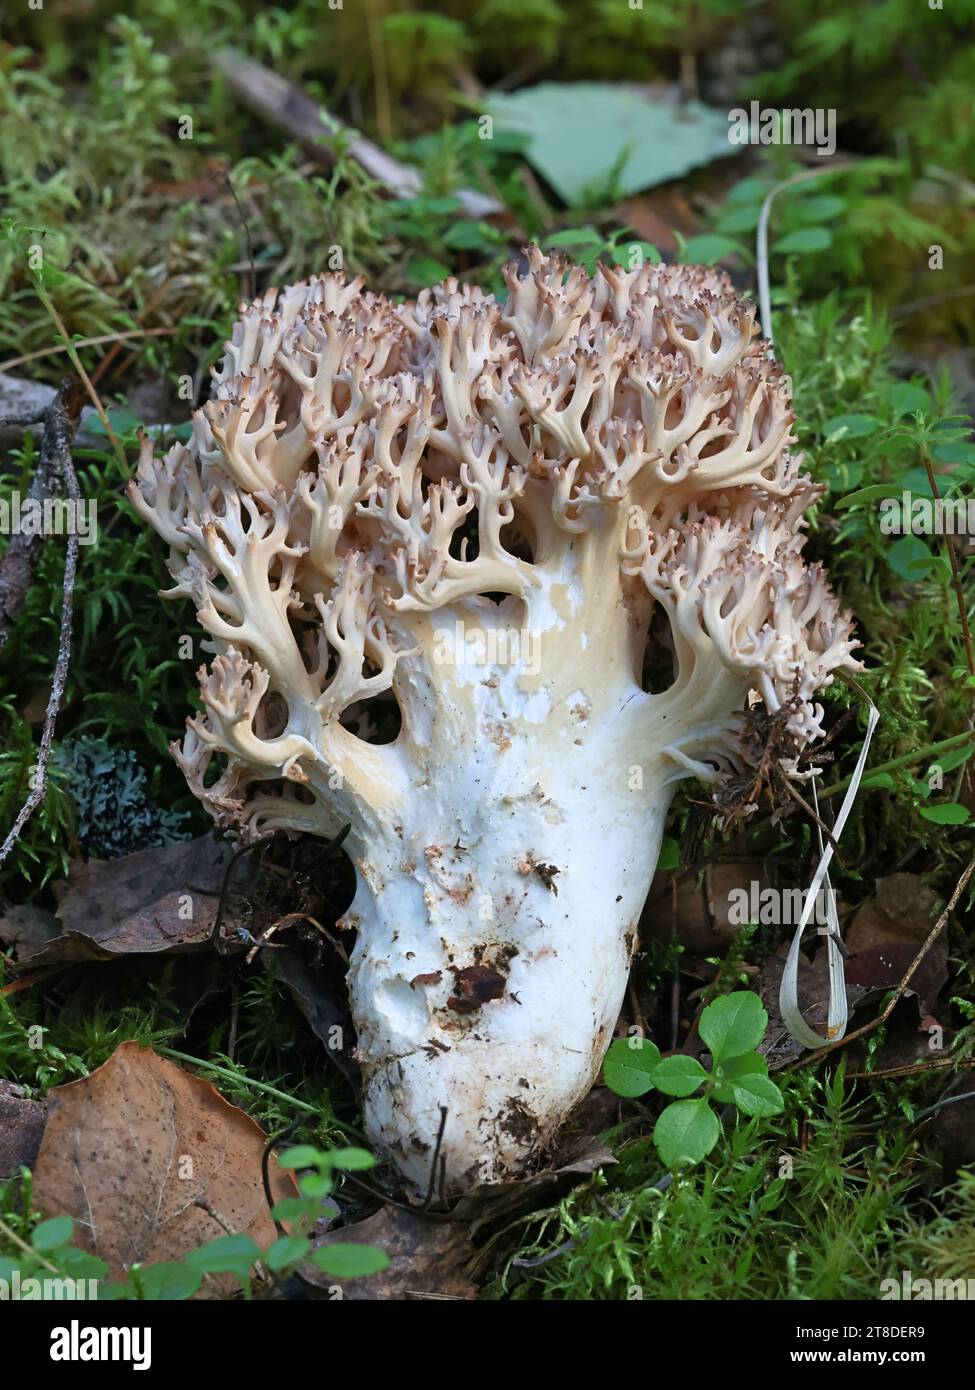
578, 131
953, 1126
21, 1128
693, 925
885, 936
324, 1006
146, 1158
730, 894
779, 1046
427, 1259
151, 902
902, 909
26, 929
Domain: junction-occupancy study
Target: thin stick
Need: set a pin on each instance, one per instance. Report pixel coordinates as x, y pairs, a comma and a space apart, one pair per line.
888, 1008
300, 116
436, 1155
800, 801
224, 176
61, 455
79, 367
761, 237
88, 342
22, 1244
912, 1069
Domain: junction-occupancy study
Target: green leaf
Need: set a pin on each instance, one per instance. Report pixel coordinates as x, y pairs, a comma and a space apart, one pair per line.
290, 1209
959, 452
121, 419
804, 241
576, 236
315, 1185
757, 1095
169, 1282
467, 235
669, 854
733, 1024
348, 1261
426, 271
590, 139
226, 1255
905, 398
301, 1156
854, 426
624, 251
286, 1250
50, 1234
742, 219
748, 191
879, 780
678, 1076
946, 813
916, 480
814, 209
744, 1081
954, 758
686, 1132
628, 1064
910, 558
706, 249
79, 1264
866, 494
352, 1160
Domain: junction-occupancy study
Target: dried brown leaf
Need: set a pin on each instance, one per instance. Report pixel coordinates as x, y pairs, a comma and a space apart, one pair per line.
151, 902
427, 1259
152, 1162
21, 1127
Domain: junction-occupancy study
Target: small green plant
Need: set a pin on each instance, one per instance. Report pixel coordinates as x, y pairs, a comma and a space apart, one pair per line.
587, 246
44, 1251
688, 1129
343, 1260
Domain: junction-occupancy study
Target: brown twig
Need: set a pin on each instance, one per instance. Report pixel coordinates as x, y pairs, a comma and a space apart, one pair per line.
827, 833
88, 342
22, 1245
888, 1008
76, 362
912, 1069
247, 293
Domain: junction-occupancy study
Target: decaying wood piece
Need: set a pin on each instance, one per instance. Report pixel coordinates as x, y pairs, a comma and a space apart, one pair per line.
299, 115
